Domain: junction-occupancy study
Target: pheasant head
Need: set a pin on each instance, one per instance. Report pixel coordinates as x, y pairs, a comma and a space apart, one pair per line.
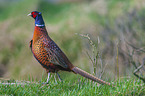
38, 18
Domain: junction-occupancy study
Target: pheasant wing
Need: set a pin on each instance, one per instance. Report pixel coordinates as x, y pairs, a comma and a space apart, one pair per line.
56, 56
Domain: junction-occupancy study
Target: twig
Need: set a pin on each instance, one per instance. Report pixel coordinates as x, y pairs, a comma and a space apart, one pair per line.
14, 83
134, 64
137, 49
117, 61
137, 69
103, 71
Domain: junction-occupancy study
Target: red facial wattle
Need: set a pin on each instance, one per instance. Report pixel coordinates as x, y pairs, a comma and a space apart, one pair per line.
34, 14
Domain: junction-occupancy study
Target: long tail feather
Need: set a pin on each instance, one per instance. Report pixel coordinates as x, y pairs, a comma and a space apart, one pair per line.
89, 76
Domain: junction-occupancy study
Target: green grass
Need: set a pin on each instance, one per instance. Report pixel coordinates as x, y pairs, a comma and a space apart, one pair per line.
82, 87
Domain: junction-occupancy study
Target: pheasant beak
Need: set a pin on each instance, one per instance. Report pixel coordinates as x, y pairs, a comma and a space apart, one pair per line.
29, 14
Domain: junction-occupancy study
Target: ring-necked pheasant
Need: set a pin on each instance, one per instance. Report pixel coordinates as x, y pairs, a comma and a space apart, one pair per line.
49, 55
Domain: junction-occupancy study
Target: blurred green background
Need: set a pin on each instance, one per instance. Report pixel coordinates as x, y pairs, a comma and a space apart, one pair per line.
110, 24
